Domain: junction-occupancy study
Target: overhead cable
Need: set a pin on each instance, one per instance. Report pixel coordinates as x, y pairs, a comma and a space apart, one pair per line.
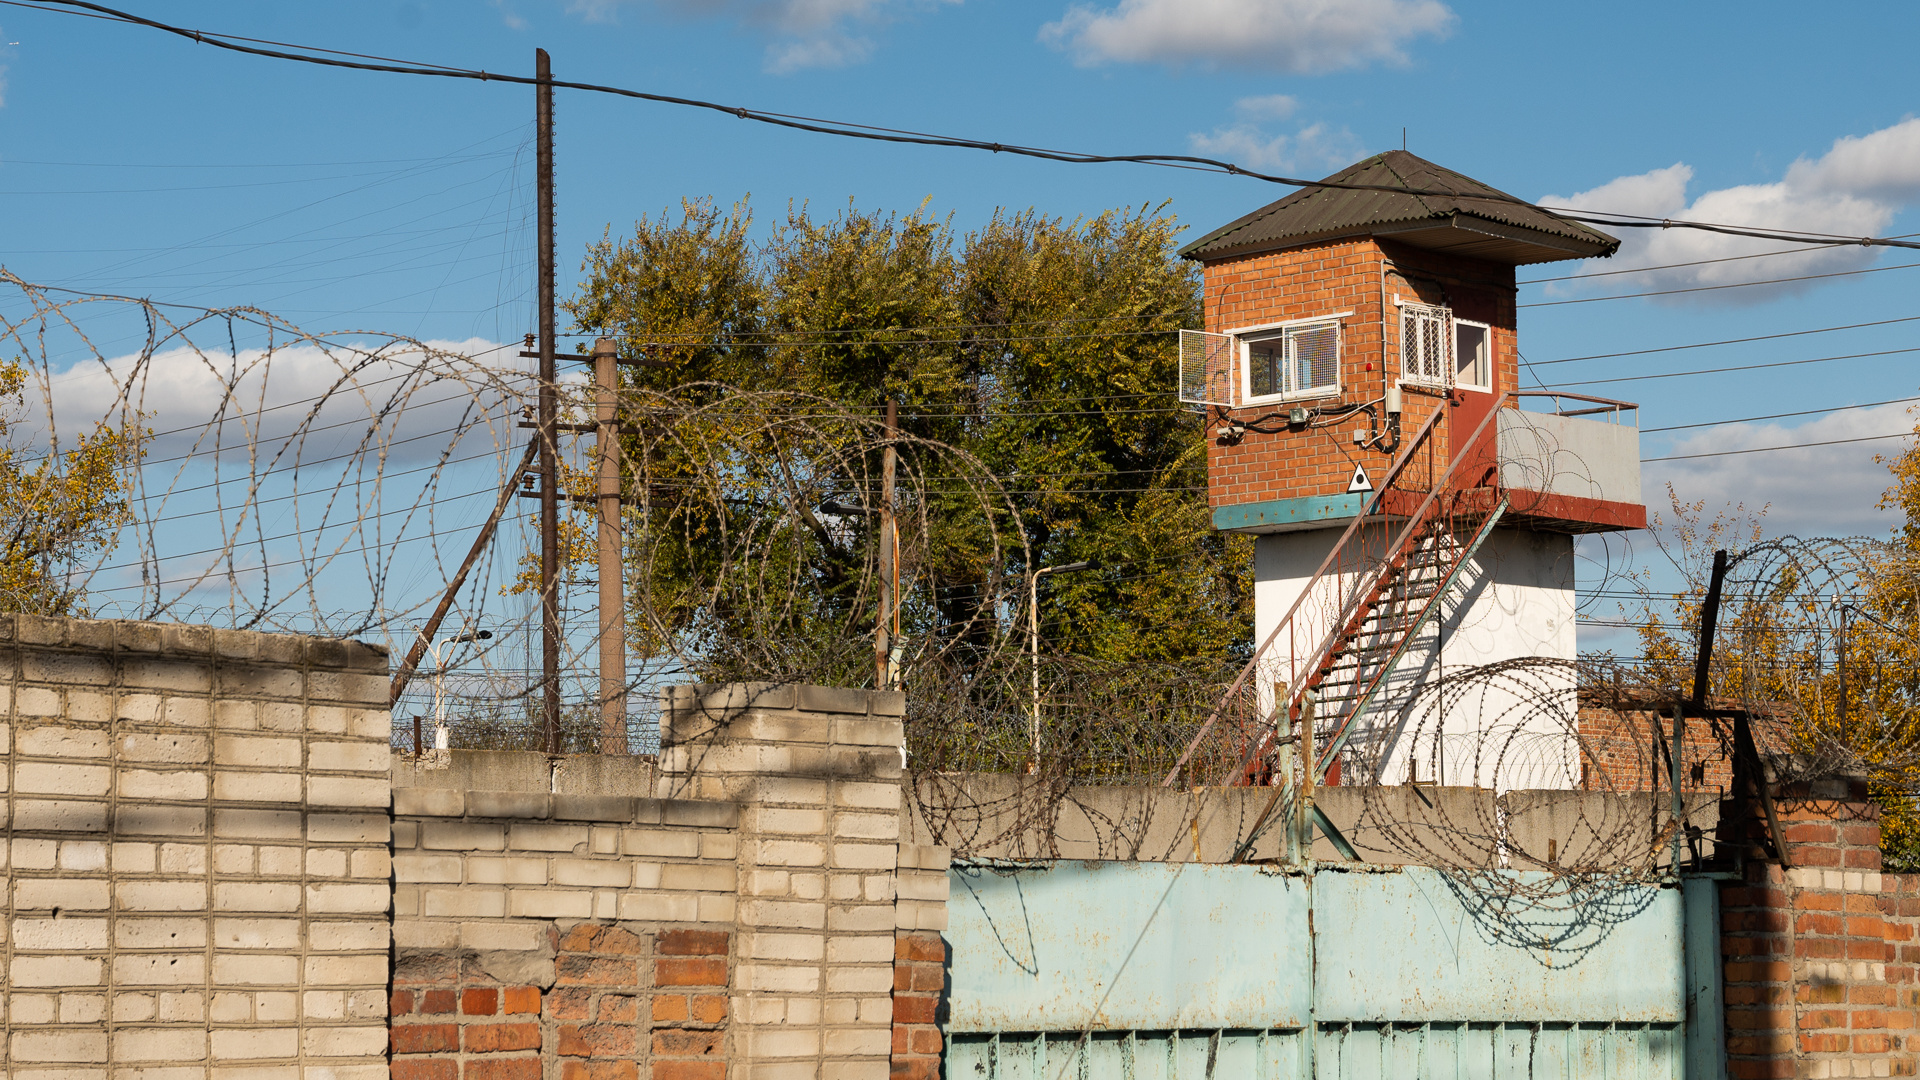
852, 130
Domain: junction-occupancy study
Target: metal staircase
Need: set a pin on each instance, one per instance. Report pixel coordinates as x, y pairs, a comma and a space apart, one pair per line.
1326, 664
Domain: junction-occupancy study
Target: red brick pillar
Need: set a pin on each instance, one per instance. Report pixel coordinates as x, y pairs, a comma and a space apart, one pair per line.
689, 1012
596, 1003
1813, 980
919, 983
449, 1022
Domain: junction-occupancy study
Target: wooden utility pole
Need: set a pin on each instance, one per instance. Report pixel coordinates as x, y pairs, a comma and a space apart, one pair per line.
613, 603
886, 628
548, 411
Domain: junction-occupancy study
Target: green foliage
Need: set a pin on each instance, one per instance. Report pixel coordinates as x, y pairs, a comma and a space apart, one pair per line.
58, 510
1036, 348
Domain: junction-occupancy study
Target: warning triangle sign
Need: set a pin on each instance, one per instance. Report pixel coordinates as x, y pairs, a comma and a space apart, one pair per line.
1359, 481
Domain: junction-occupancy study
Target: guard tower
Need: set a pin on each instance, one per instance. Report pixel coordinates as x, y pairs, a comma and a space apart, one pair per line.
1415, 508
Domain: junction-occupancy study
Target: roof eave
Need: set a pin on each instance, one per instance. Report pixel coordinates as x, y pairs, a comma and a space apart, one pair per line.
1550, 246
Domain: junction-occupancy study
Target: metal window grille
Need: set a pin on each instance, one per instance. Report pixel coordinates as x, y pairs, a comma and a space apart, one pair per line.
1313, 354
1207, 369
1426, 344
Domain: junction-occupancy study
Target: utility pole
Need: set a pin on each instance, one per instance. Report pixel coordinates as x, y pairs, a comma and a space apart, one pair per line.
613, 604
1843, 667
887, 626
548, 411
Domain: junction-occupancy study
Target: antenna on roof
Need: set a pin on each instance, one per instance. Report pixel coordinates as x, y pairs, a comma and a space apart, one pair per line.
1403, 138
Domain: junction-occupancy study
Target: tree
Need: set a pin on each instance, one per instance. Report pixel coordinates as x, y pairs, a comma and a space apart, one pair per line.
1824, 632
58, 509
1035, 354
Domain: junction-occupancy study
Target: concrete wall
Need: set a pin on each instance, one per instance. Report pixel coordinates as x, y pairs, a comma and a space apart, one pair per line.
196, 853
1515, 599
1002, 816
1569, 455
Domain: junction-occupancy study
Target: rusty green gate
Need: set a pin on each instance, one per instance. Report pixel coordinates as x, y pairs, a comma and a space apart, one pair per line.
1156, 971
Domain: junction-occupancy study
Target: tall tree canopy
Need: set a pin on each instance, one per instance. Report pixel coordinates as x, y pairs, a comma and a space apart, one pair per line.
1036, 350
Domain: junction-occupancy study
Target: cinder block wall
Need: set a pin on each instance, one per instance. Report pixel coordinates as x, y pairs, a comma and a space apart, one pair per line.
559, 936
745, 909
817, 774
196, 853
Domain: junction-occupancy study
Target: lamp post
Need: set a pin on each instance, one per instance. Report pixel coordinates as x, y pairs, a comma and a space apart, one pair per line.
439, 651
1033, 638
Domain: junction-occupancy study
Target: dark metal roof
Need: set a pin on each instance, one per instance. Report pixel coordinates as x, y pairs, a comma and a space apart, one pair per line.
1428, 207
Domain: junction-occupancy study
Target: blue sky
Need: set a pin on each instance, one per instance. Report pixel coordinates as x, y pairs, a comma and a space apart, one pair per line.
132, 161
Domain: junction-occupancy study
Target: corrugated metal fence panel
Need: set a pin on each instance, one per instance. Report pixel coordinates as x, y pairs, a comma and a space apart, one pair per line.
1127, 1055
1499, 1051
1408, 946
1344, 1052
1135, 946
1201, 972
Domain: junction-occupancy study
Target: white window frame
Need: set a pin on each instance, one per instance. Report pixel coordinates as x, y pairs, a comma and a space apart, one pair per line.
1245, 336
1442, 364
1485, 387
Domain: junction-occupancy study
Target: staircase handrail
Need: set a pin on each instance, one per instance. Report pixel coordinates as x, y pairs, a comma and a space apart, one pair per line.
1366, 510
1413, 522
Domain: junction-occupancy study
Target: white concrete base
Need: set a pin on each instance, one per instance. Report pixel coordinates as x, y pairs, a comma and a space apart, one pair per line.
1510, 730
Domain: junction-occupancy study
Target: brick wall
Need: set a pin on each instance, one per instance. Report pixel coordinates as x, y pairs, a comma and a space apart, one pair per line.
196, 853
1360, 276
1819, 958
587, 932
217, 869
742, 922
816, 772
1617, 752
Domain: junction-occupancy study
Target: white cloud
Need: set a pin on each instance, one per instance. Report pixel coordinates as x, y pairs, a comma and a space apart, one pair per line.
1309, 148
1300, 37
1267, 107
818, 51
1812, 490
808, 33
1855, 189
303, 401
508, 16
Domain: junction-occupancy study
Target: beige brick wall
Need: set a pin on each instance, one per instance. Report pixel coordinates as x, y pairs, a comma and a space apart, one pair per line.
217, 869
817, 774
196, 856
494, 870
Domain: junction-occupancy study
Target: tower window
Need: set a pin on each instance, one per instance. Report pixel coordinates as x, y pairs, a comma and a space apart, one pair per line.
1426, 345
1298, 361
1472, 355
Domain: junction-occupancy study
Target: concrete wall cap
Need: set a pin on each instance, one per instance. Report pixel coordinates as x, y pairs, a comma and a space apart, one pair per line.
593, 808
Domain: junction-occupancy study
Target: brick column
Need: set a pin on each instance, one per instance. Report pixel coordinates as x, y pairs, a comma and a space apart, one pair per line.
817, 773
1814, 982
689, 1012
920, 963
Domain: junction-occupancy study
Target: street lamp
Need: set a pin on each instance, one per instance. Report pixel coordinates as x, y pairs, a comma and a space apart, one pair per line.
1033, 637
439, 651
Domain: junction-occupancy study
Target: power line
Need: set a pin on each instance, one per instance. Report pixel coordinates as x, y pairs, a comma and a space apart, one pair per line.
1777, 416
1789, 446
1716, 288
1736, 367
1728, 341
1674, 266
876, 133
